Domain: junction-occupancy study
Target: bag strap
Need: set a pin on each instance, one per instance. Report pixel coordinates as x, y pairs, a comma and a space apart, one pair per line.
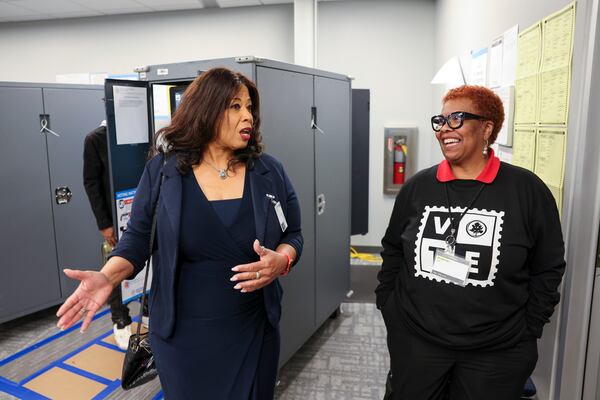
152, 235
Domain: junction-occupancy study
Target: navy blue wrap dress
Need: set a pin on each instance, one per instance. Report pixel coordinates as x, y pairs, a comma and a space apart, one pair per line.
223, 346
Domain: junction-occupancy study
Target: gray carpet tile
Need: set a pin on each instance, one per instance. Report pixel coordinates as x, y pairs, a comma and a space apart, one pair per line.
345, 359
20, 335
37, 359
146, 391
23, 332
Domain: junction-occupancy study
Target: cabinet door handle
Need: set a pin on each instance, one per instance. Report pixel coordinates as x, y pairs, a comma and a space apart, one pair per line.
44, 124
62, 194
321, 204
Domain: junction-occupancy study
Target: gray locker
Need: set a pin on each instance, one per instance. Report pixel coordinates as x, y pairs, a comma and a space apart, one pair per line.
29, 273
39, 237
332, 183
288, 137
73, 113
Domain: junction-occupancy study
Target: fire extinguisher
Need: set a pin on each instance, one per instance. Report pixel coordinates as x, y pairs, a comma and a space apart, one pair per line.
400, 151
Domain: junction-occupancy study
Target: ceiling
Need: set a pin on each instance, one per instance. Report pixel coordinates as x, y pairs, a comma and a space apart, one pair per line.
34, 10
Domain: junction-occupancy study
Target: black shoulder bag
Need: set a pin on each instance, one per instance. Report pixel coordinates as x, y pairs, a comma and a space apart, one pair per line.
138, 365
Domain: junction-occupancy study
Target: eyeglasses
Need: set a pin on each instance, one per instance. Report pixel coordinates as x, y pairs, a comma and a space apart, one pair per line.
454, 120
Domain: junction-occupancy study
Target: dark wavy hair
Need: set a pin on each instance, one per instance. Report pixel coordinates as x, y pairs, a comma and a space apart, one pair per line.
487, 103
196, 122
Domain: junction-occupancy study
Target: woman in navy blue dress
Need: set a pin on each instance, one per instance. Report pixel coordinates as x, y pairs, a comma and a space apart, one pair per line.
228, 225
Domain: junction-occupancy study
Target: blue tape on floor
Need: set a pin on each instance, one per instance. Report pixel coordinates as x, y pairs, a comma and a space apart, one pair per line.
108, 390
47, 340
78, 350
21, 392
56, 363
159, 396
86, 374
110, 346
17, 389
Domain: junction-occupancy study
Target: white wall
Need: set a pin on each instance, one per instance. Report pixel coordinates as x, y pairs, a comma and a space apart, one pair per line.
388, 47
38, 51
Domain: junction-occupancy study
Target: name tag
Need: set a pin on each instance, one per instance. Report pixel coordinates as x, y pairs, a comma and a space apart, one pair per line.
282, 221
452, 267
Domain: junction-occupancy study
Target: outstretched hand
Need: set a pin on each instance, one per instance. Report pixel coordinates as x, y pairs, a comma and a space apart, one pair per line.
91, 294
256, 275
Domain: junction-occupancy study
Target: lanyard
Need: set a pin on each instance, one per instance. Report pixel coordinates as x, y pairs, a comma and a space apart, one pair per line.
451, 238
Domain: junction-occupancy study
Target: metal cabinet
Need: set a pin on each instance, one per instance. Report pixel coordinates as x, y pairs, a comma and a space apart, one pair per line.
73, 113
306, 124
289, 137
40, 237
332, 184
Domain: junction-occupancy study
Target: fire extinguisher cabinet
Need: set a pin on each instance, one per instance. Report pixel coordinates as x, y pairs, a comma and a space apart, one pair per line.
399, 157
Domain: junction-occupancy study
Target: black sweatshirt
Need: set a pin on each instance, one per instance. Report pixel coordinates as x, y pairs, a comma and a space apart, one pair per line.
511, 234
95, 176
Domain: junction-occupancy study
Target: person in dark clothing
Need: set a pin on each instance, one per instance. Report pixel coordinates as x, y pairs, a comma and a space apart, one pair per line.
472, 259
227, 227
97, 187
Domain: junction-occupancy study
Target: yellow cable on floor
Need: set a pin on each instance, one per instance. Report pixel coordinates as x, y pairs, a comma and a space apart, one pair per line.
364, 256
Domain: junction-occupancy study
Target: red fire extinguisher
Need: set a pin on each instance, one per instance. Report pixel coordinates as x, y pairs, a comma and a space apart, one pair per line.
400, 151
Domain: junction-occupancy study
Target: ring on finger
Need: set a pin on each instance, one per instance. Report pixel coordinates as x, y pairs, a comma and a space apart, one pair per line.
257, 274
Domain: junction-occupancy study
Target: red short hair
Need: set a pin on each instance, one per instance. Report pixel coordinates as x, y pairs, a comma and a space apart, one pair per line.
487, 103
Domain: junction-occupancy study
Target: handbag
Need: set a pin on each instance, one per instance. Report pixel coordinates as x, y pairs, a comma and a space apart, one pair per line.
139, 366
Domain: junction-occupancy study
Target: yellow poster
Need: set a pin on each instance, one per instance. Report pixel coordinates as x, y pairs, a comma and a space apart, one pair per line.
524, 147
529, 51
550, 155
554, 95
526, 100
557, 193
557, 47
557, 51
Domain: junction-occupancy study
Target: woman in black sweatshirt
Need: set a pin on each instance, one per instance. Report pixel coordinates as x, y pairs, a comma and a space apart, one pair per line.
472, 260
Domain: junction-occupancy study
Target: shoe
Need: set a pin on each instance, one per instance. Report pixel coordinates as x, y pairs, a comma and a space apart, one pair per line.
529, 391
122, 336
145, 321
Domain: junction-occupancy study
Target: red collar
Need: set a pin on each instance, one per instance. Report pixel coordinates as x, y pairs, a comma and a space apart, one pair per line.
444, 172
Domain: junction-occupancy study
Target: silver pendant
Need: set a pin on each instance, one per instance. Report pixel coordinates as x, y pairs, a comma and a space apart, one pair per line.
223, 173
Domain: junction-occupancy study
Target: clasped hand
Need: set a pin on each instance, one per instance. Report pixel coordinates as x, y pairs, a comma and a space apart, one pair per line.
256, 275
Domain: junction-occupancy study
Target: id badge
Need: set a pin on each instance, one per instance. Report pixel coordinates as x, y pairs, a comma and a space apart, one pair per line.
452, 267
282, 221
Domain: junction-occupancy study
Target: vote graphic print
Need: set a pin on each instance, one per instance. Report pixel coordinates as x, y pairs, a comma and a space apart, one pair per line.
477, 240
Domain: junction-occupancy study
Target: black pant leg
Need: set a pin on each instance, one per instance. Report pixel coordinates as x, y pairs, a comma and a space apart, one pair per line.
119, 311
420, 369
493, 375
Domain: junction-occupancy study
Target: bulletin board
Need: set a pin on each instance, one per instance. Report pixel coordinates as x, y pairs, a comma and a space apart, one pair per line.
531, 71
543, 87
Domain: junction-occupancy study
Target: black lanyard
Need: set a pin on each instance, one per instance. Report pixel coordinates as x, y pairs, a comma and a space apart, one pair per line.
451, 238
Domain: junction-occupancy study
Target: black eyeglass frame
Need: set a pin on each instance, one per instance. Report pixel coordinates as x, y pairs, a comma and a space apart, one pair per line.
463, 115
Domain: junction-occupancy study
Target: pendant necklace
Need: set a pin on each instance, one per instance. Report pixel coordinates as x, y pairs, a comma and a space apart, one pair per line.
222, 172
455, 223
